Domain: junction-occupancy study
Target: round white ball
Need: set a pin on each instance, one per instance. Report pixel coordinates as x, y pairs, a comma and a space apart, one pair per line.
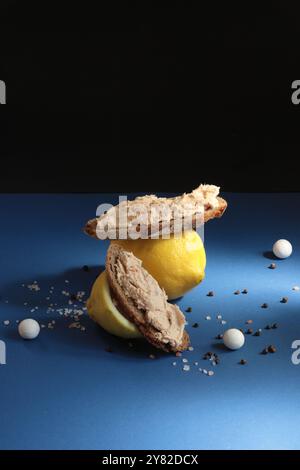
233, 338
29, 328
282, 249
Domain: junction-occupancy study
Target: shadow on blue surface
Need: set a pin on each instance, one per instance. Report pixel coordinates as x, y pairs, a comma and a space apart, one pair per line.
78, 280
270, 255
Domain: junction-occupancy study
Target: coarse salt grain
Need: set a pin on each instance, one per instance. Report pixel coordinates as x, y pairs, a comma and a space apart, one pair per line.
296, 288
34, 287
190, 348
186, 368
208, 317
6, 322
210, 373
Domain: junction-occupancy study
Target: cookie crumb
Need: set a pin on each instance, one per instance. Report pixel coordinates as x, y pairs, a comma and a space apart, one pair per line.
189, 309
284, 300
245, 291
272, 266
248, 322
210, 293
237, 292
264, 305
243, 362
195, 325
271, 349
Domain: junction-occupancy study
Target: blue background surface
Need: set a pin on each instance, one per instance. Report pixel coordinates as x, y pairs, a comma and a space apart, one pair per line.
65, 391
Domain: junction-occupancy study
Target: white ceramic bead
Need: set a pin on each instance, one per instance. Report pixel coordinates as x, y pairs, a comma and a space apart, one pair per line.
29, 328
282, 249
233, 338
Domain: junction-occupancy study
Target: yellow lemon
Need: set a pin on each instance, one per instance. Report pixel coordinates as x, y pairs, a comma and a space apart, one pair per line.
178, 264
103, 311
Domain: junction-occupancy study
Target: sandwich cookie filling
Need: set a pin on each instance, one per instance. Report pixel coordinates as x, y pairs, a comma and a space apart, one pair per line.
144, 291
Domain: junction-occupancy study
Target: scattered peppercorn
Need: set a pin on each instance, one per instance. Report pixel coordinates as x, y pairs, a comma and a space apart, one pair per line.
272, 266
274, 326
210, 293
237, 292
245, 291
284, 300
249, 331
264, 305
271, 348
207, 355
265, 351
243, 362
257, 333
268, 327
189, 309
85, 268
195, 325
219, 336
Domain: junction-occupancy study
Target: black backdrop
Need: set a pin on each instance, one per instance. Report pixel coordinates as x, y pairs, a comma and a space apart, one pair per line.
149, 97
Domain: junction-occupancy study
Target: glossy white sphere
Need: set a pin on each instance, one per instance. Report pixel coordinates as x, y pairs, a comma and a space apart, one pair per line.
282, 249
29, 328
233, 338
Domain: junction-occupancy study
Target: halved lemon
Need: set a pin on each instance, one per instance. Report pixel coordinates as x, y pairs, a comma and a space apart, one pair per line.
102, 310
